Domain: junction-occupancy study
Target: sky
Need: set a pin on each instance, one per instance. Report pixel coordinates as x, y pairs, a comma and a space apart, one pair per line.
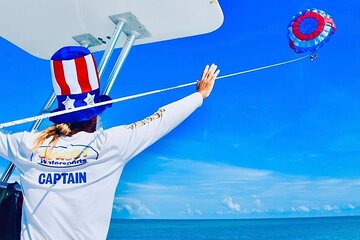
281, 142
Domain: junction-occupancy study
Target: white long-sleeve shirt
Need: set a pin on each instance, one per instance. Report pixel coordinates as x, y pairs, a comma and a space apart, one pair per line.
69, 192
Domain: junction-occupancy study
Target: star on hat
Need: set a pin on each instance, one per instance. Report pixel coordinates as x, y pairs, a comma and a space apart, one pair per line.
68, 103
90, 99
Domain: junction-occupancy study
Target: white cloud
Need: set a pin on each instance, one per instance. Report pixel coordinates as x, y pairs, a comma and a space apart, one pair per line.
152, 187
120, 207
258, 203
198, 212
280, 210
304, 209
231, 204
300, 209
133, 206
328, 207
189, 212
351, 206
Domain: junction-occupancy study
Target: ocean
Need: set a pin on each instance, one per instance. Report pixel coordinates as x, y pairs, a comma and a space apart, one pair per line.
328, 228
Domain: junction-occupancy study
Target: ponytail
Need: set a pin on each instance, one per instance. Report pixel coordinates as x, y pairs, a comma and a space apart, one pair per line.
63, 129
55, 131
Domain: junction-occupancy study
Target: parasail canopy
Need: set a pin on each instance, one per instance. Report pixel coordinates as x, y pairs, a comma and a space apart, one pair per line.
309, 30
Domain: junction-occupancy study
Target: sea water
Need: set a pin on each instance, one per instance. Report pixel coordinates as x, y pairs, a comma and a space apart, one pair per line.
328, 228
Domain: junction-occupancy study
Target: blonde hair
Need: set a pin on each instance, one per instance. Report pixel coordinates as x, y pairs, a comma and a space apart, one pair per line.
55, 131
63, 129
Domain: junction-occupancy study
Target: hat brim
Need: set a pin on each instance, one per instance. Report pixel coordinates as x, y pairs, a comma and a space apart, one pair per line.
82, 115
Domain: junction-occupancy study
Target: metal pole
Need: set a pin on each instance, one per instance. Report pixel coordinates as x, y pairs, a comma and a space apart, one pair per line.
11, 167
109, 50
9, 170
120, 62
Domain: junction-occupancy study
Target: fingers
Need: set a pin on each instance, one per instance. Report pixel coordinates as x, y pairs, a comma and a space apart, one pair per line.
206, 84
205, 71
209, 72
213, 68
216, 73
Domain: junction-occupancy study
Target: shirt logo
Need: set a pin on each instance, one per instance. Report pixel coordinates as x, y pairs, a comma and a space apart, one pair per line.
64, 157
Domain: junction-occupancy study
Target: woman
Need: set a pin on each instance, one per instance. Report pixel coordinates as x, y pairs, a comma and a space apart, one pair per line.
69, 171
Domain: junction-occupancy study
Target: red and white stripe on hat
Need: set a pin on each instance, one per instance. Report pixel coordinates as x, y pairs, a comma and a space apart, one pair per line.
74, 76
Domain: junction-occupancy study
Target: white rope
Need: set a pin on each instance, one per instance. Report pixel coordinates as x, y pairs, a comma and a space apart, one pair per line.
48, 115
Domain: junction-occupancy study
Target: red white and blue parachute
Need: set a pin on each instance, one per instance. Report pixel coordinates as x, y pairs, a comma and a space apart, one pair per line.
309, 30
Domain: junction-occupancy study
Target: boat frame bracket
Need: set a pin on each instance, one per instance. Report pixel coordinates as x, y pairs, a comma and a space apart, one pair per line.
132, 25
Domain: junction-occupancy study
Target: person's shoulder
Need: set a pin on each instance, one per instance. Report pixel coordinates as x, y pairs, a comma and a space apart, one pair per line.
114, 129
25, 134
115, 132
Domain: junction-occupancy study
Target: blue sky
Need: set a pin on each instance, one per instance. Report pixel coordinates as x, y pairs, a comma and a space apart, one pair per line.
283, 142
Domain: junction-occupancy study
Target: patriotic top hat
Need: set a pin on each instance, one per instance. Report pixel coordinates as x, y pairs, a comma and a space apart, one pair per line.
76, 83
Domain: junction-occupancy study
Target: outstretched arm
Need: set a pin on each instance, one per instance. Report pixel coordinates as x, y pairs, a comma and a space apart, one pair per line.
134, 138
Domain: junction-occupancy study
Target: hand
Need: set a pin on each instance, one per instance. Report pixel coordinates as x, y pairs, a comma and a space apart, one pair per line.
206, 84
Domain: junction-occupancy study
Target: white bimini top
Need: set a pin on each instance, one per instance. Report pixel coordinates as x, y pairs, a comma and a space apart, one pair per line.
69, 192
